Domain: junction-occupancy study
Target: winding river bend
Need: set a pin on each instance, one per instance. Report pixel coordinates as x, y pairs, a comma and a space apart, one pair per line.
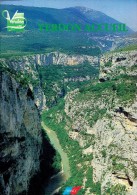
57, 180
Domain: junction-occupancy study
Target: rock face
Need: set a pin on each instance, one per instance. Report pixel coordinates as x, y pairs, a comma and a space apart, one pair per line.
61, 58
55, 58
20, 136
114, 64
25, 70
104, 114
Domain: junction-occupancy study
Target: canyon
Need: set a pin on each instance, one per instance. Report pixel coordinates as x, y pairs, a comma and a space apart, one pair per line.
100, 116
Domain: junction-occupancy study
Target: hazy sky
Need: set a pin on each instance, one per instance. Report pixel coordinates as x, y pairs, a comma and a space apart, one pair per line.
123, 10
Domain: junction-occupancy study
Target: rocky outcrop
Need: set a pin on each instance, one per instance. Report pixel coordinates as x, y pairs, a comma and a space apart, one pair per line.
54, 58
116, 63
75, 79
25, 70
20, 136
111, 119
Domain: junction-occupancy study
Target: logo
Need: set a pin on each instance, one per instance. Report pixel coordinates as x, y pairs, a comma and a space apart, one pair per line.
16, 23
71, 190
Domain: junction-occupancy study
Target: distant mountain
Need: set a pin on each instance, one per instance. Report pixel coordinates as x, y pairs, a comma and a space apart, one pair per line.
77, 42
77, 15
91, 16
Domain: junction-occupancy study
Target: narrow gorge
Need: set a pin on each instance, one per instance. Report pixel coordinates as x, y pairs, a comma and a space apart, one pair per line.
90, 105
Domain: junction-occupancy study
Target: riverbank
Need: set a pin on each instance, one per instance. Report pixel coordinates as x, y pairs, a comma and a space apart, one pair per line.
80, 163
59, 179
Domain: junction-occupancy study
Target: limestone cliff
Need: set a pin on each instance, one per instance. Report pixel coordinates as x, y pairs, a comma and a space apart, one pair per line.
107, 112
20, 136
116, 63
55, 58
27, 68
26, 71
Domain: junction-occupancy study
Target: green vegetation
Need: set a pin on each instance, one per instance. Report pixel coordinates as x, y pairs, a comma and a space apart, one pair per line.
24, 78
127, 48
57, 80
95, 188
119, 167
77, 160
57, 162
35, 41
123, 86
96, 115
108, 64
117, 163
126, 90
17, 54
116, 190
104, 153
134, 67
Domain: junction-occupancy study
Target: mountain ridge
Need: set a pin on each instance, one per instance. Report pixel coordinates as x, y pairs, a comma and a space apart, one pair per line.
79, 42
89, 15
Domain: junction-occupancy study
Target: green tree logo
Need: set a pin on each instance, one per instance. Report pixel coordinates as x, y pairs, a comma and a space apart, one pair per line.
16, 23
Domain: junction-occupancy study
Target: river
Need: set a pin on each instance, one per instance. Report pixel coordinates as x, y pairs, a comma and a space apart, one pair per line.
57, 180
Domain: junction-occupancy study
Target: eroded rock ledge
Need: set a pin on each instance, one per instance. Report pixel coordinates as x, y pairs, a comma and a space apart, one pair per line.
20, 136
